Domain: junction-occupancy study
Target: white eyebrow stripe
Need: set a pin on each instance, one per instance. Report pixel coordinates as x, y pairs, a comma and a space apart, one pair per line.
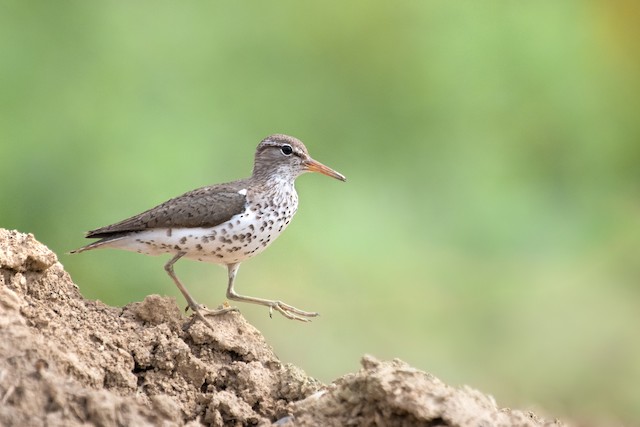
243, 192
274, 144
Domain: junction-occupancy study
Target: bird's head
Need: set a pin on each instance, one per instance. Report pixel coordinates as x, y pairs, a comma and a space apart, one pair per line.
286, 157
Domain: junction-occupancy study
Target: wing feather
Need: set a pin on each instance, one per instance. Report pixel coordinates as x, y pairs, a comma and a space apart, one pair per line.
203, 207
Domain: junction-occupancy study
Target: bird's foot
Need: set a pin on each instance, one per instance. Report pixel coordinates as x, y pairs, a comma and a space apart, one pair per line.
222, 309
201, 311
290, 312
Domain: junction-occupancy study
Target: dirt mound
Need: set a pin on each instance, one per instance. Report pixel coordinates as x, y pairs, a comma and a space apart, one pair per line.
68, 361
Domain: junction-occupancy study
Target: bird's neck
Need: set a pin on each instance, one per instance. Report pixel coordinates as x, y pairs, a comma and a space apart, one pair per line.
277, 188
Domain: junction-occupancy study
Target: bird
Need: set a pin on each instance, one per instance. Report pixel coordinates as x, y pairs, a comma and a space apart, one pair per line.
223, 224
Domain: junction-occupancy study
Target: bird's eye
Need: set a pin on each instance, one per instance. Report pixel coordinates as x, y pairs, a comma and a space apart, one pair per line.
286, 150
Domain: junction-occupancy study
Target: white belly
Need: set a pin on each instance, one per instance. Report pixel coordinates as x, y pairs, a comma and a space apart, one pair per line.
243, 236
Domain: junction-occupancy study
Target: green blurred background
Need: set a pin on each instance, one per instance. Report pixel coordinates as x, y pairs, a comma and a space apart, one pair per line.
489, 231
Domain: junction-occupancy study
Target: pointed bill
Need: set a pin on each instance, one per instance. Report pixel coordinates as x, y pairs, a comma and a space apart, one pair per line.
315, 166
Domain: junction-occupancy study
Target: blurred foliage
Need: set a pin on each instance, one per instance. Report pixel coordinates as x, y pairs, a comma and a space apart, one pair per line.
489, 231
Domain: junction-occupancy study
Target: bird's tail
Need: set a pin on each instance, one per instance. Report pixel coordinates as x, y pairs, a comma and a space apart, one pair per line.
102, 243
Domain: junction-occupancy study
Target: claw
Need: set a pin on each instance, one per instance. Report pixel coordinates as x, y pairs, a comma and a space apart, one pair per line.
290, 312
225, 308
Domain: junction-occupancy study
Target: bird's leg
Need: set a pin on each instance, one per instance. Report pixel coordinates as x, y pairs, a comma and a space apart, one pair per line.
198, 309
286, 310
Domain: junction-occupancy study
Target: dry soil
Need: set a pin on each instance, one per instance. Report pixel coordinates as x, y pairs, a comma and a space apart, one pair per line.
69, 361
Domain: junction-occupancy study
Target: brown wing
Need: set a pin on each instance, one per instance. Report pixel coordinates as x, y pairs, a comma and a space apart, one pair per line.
203, 207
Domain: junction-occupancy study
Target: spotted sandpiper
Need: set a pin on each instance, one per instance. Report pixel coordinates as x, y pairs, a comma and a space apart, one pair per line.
225, 223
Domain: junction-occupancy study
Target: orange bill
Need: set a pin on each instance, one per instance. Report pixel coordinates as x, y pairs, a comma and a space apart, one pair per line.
315, 166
